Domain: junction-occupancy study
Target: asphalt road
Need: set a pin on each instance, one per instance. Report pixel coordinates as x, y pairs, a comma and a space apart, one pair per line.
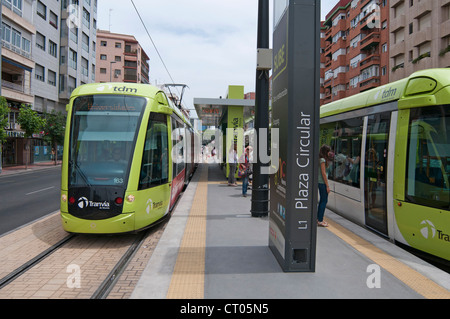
28, 196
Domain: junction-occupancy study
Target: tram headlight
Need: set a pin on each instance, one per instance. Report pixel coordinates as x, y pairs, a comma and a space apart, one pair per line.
64, 198
130, 198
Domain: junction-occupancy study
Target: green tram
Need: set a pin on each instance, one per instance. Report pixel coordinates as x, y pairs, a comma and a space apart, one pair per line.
128, 154
391, 171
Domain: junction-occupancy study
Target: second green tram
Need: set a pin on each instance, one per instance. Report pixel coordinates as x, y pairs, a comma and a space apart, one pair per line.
391, 171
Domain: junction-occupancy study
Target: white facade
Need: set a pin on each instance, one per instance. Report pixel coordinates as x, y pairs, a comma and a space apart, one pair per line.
64, 50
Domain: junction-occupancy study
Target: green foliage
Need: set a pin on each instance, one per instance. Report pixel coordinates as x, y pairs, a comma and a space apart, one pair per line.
30, 121
54, 129
4, 110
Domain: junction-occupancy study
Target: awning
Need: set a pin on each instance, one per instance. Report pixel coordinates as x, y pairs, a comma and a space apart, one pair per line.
210, 111
17, 64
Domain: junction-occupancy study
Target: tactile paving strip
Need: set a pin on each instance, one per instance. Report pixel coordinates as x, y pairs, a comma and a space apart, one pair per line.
416, 281
188, 278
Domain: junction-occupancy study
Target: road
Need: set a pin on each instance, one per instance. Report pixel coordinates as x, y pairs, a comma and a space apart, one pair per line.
28, 196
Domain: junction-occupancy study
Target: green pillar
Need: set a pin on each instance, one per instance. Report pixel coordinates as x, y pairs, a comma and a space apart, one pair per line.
235, 125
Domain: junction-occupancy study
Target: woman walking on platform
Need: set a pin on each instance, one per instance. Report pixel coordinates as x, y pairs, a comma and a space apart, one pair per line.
325, 155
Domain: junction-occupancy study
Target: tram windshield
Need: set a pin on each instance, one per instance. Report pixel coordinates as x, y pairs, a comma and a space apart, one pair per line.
103, 134
428, 172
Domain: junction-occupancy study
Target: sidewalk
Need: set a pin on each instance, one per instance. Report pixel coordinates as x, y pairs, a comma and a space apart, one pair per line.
19, 169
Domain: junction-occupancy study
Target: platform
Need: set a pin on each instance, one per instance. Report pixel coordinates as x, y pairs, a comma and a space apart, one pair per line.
213, 248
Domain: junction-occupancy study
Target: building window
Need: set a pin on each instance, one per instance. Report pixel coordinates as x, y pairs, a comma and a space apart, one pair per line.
103, 43
39, 73
41, 10
84, 67
86, 18
102, 70
103, 57
53, 20
52, 48
52, 78
16, 38
85, 42
6, 33
73, 59
118, 45
40, 41
74, 34
118, 58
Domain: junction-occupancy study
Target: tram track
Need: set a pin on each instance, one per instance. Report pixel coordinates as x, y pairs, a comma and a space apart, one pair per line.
32, 262
102, 260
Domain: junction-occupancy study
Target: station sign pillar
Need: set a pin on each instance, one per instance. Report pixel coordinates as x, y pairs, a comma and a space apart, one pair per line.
295, 112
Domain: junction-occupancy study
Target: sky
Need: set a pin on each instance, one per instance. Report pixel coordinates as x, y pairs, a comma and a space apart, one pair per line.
205, 44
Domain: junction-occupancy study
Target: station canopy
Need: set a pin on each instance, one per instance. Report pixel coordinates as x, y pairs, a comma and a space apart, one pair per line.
211, 111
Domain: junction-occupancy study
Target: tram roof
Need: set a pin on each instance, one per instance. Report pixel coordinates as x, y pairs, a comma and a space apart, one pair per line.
144, 90
407, 91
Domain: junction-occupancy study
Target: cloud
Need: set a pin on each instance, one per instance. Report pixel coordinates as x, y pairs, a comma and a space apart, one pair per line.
206, 44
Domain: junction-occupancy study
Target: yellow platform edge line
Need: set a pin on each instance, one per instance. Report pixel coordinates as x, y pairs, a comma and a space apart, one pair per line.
416, 281
188, 278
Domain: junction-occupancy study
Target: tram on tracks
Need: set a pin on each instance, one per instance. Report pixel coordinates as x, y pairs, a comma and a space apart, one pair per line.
391, 170
128, 154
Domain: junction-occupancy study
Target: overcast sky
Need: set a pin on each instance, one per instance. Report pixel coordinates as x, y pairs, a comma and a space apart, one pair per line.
206, 44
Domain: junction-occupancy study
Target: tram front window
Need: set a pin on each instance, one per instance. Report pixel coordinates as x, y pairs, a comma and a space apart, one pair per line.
428, 171
103, 134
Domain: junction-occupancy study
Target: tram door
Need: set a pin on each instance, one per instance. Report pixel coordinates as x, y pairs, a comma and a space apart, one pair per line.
375, 171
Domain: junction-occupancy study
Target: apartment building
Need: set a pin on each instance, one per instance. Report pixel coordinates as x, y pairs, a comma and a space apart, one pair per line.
77, 45
354, 43
43, 59
419, 36
120, 58
17, 65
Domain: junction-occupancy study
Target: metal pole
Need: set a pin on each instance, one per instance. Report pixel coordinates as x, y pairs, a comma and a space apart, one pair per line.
260, 185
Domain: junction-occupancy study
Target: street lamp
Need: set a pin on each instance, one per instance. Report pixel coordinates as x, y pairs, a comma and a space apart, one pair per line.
110, 70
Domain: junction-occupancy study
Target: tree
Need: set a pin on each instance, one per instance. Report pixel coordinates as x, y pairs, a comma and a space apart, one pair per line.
54, 130
31, 123
4, 110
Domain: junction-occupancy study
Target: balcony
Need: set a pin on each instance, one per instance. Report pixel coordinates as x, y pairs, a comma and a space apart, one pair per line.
422, 37
371, 40
369, 83
397, 23
422, 8
17, 92
370, 60
397, 49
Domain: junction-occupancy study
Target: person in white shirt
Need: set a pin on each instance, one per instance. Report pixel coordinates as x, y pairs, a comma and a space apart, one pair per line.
232, 161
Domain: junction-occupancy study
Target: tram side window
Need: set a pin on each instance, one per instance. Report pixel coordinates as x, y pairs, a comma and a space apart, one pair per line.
177, 147
344, 138
428, 161
155, 161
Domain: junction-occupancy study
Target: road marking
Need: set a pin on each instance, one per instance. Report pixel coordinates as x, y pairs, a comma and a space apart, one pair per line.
416, 281
41, 190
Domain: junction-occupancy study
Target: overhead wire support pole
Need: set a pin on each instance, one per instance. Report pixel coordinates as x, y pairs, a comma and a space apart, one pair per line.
260, 184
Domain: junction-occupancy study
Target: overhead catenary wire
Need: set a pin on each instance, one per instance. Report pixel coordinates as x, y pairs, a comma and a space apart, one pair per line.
154, 45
